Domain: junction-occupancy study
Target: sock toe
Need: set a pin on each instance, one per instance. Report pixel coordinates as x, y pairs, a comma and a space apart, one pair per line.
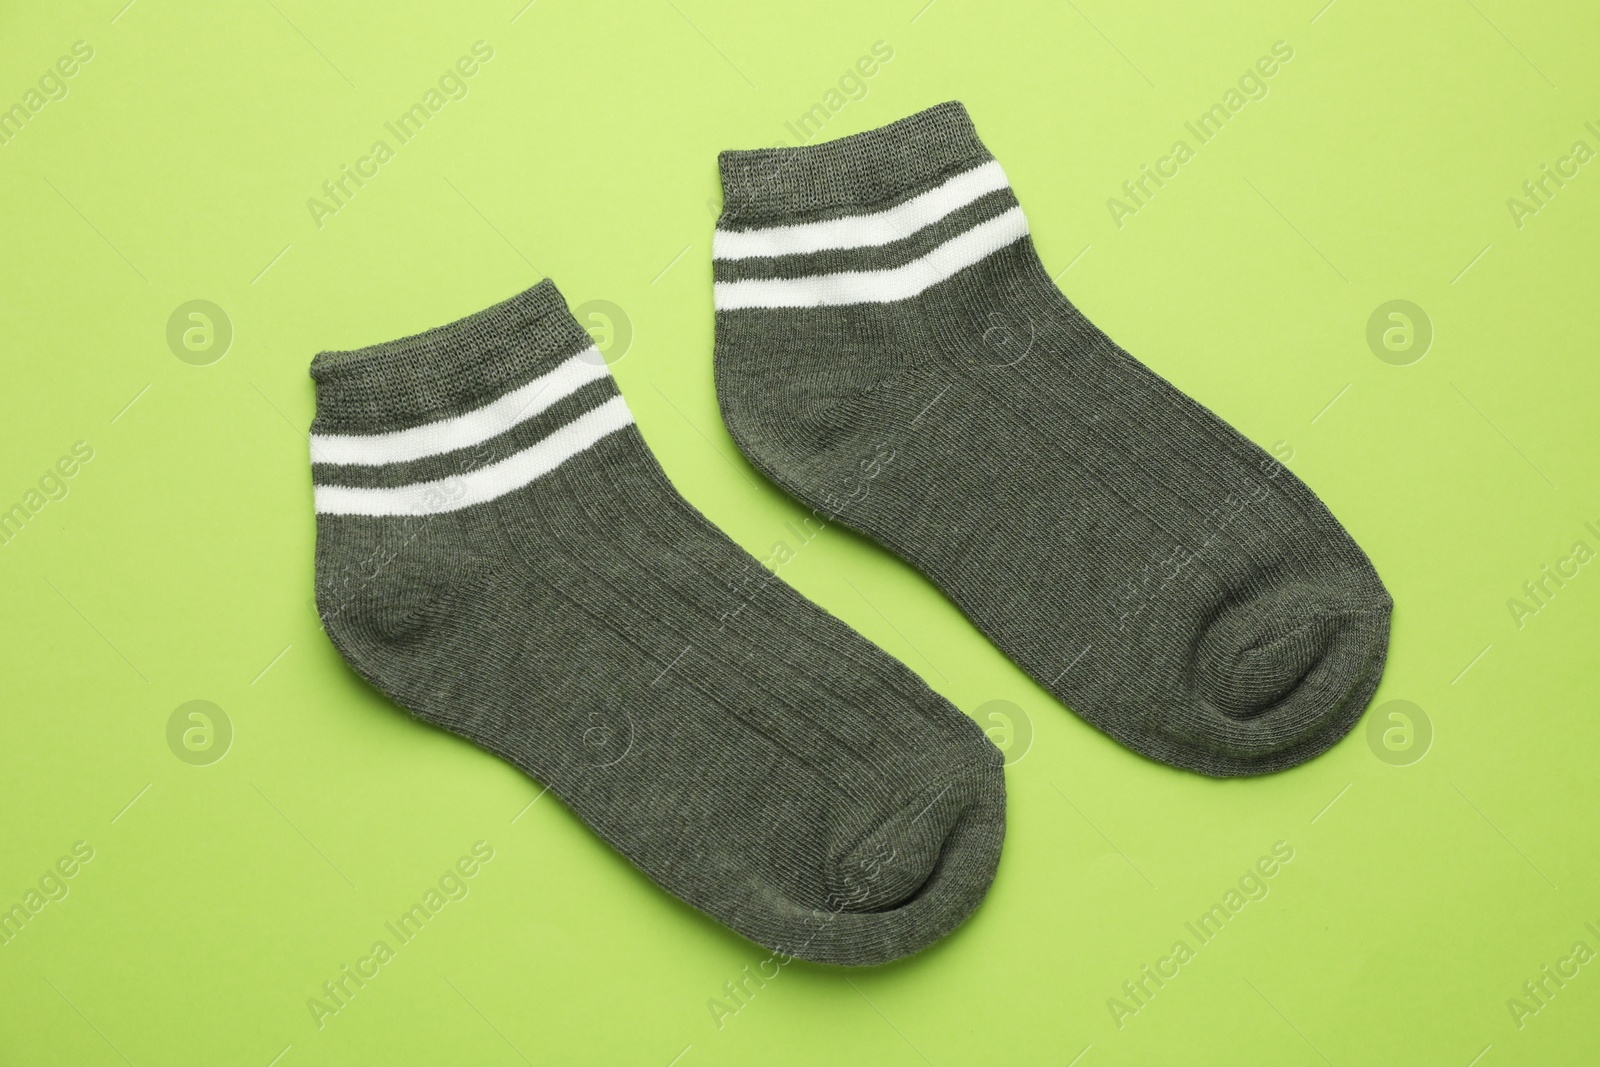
1250, 659
913, 878
896, 858
1287, 674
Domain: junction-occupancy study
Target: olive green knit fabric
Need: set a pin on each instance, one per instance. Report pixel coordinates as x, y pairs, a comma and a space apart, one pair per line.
499, 553
1164, 577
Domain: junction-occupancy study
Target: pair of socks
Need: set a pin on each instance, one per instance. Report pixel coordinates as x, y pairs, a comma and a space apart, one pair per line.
499, 552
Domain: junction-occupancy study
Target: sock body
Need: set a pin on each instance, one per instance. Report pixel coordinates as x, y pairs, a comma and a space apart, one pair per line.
1159, 573
499, 553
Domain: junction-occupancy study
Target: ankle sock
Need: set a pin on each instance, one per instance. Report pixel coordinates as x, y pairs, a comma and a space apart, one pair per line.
499, 552
879, 296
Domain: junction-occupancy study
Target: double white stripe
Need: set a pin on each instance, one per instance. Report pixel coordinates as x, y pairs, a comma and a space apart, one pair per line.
877, 286
863, 231
463, 431
870, 231
484, 484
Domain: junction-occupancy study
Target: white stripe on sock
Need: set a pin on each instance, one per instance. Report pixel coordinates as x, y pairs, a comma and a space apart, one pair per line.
862, 231
876, 286
462, 431
486, 483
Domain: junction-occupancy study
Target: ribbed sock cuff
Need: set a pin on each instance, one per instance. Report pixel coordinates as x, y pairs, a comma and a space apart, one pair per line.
447, 370
764, 185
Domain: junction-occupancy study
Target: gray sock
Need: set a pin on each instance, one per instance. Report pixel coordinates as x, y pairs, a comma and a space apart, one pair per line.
499, 552
1156, 571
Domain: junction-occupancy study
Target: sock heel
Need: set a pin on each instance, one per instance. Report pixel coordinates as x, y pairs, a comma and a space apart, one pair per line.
810, 417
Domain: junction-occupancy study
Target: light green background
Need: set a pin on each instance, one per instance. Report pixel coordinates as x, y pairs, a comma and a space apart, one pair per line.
178, 566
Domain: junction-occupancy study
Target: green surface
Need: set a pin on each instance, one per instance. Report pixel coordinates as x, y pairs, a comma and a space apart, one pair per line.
174, 565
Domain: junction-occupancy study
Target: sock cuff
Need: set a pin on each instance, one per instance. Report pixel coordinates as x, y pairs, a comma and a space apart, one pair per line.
766, 184
446, 371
